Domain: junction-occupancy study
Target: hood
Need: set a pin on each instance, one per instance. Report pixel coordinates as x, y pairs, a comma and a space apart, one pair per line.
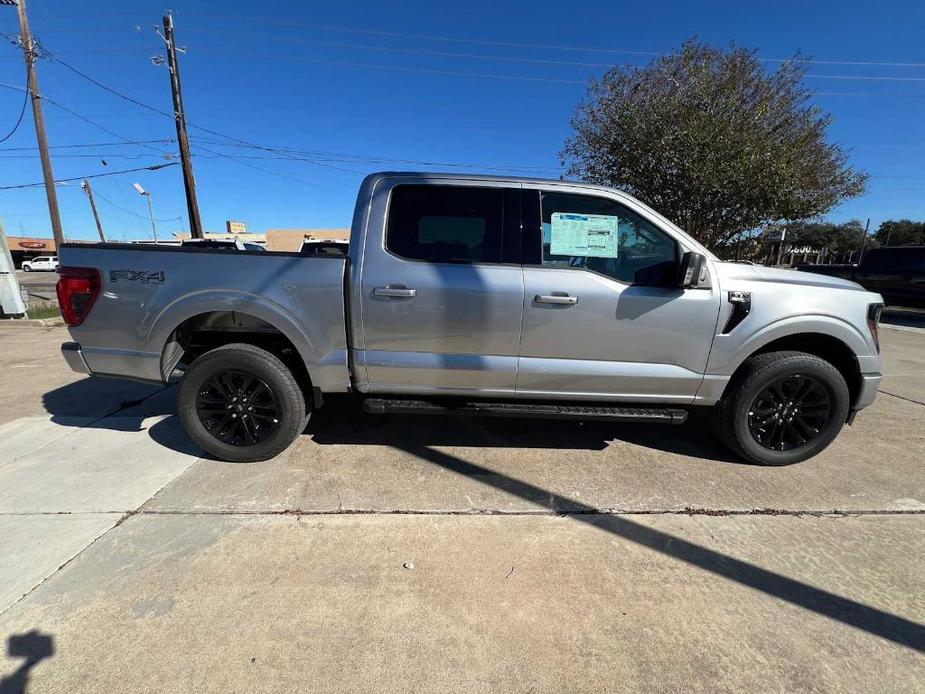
758, 273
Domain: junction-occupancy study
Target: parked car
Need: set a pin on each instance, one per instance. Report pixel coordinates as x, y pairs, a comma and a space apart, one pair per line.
470, 295
42, 263
896, 272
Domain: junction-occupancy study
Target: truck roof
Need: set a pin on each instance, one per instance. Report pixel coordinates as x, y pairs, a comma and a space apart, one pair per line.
491, 177
369, 183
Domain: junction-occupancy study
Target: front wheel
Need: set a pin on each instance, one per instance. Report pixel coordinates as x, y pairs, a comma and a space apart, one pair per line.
782, 408
26, 268
241, 404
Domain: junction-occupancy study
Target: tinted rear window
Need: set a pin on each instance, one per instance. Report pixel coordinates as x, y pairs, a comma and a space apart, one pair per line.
445, 224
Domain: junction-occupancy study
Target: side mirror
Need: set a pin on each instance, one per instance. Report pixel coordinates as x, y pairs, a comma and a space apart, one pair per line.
691, 269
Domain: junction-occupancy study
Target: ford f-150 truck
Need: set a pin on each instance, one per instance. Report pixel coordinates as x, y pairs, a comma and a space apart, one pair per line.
480, 295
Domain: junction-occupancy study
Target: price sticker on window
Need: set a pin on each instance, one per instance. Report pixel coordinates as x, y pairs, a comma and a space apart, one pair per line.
585, 235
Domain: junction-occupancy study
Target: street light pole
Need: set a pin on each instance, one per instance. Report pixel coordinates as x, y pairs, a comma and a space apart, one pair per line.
151, 212
85, 184
147, 194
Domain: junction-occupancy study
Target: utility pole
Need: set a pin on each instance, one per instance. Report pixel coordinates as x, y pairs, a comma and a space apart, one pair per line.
85, 184
28, 49
189, 182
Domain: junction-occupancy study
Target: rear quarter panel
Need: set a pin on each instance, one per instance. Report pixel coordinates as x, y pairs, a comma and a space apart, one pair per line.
147, 293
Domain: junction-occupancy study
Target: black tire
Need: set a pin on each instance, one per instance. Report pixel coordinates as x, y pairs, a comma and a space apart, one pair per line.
752, 418
245, 377
26, 269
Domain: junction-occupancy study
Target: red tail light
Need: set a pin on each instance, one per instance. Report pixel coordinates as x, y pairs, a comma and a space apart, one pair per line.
77, 289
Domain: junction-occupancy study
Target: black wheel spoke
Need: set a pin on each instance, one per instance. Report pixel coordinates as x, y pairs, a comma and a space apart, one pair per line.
789, 412
237, 408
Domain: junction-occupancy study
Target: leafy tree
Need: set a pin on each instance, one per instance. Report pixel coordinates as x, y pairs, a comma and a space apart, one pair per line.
712, 140
903, 232
826, 237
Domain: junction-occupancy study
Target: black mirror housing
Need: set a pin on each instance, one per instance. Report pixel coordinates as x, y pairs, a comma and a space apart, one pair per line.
691, 269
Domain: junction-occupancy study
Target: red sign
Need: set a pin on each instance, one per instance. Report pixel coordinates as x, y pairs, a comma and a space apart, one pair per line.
32, 244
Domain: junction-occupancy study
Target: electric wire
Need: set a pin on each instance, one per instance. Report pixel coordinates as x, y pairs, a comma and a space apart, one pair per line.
22, 112
155, 167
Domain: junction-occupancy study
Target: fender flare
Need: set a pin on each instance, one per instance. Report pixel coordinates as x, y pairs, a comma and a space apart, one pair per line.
174, 314
820, 324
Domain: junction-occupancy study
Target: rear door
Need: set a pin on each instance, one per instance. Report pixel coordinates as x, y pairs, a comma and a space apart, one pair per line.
601, 317
442, 290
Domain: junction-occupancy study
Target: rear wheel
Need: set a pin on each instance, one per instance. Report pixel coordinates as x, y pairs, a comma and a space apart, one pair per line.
240, 403
782, 408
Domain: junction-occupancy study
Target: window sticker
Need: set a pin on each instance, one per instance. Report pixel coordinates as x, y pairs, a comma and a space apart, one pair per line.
588, 235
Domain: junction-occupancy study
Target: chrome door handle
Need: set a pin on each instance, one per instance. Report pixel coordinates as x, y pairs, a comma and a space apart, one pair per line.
395, 292
558, 299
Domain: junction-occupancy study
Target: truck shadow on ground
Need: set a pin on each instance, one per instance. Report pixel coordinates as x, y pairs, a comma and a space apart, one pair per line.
341, 421
115, 405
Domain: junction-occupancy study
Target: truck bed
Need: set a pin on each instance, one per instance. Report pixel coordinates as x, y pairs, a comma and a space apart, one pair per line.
148, 291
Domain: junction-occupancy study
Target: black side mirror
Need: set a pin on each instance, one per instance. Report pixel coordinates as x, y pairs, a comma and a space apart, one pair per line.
691, 269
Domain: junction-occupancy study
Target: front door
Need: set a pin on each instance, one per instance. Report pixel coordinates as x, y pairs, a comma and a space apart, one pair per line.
441, 309
601, 319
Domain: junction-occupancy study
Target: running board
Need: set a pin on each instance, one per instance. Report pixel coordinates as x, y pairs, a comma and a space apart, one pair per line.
649, 415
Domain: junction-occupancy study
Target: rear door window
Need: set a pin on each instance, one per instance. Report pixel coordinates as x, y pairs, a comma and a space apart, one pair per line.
446, 224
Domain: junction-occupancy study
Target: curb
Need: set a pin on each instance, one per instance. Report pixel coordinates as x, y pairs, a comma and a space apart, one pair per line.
32, 322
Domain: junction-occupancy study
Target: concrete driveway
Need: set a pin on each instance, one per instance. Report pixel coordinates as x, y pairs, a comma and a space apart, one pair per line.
425, 554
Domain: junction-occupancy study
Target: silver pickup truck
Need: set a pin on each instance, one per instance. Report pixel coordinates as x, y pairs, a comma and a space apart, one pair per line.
480, 295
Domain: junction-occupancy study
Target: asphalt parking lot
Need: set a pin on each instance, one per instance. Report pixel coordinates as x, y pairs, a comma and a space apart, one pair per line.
425, 554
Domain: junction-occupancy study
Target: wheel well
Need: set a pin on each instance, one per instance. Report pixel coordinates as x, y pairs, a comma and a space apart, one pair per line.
833, 350
204, 332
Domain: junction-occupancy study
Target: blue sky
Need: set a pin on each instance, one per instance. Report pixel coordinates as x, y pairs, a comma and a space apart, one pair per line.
351, 88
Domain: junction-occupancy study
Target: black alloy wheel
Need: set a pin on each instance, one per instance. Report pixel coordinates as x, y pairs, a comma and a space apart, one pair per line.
237, 408
240, 403
789, 412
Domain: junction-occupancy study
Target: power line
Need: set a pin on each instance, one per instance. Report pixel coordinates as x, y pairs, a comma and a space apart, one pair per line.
22, 112
134, 214
89, 144
514, 59
155, 167
392, 49
107, 88
395, 68
496, 76
85, 119
95, 155
136, 102
515, 44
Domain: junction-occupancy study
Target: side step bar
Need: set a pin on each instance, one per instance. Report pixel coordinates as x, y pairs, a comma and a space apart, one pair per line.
653, 415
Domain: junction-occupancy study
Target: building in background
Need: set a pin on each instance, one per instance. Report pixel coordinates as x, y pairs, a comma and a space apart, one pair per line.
24, 248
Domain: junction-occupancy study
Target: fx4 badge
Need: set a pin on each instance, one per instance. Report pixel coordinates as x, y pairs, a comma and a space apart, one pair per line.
143, 276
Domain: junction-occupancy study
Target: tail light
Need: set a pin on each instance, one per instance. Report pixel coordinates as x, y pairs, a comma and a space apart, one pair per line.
873, 323
77, 289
